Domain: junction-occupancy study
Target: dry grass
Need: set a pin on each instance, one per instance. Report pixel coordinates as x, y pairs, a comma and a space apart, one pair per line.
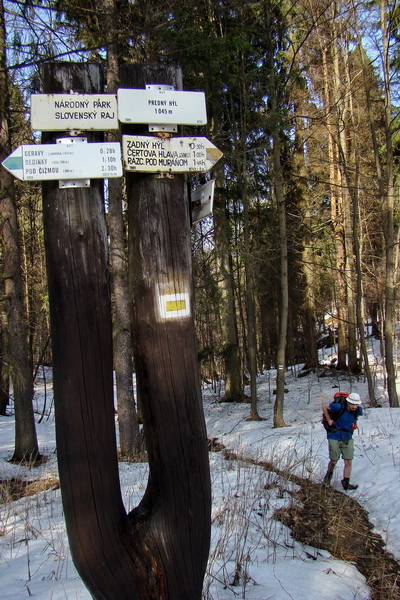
317, 516
325, 518
13, 489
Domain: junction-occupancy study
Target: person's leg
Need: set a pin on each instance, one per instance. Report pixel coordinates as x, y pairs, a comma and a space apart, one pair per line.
334, 455
329, 472
348, 453
347, 468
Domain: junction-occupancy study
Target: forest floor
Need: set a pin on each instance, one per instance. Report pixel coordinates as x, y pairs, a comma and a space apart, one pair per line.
323, 517
318, 516
276, 532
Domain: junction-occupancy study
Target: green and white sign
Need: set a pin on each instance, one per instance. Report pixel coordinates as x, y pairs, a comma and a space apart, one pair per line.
65, 161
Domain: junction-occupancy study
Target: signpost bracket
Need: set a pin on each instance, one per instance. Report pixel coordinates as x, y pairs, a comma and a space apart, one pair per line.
154, 127
73, 183
164, 176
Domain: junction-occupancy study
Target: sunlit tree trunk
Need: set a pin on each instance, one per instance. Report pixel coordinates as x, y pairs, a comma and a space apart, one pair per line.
130, 440
391, 243
336, 213
284, 288
341, 96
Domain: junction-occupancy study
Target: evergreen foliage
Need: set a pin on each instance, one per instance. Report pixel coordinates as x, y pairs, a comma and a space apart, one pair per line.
262, 65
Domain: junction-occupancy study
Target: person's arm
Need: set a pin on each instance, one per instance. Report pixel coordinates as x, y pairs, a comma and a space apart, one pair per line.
325, 410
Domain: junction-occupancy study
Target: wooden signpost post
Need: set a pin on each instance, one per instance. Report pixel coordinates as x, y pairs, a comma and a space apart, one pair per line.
159, 551
178, 499
99, 530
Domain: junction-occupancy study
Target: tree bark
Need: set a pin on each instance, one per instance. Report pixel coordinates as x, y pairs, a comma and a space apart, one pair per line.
160, 550
177, 504
130, 439
307, 252
26, 445
250, 304
232, 362
284, 287
4, 369
336, 215
341, 95
391, 244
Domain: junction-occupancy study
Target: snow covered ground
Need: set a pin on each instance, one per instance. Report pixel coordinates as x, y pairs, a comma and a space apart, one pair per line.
34, 555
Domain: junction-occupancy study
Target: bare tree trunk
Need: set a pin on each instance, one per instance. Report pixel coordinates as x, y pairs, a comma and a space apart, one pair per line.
250, 304
159, 551
4, 352
357, 242
353, 187
308, 266
130, 439
175, 511
26, 445
232, 360
284, 307
341, 97
388, 221
336, 215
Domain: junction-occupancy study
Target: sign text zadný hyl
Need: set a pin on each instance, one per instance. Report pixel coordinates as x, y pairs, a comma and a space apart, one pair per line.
175, 155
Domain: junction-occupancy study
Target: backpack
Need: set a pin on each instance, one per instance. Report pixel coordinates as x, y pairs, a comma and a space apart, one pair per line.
339, 398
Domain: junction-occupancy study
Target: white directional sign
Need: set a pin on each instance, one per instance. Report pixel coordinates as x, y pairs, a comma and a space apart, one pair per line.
161, 106
202, 201
64, 112
162, 155
65, 161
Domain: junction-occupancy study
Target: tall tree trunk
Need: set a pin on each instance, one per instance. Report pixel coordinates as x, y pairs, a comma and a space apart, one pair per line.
308, 266
357, 242
380, 181
222, 236
341, 97
284, 288
336, 215
159, 551
391, 242
130, 439
241, 152
4, 352
26, 445
250, 304
175, 512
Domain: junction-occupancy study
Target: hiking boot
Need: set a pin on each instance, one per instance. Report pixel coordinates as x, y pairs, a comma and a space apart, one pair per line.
328, 478
347, 485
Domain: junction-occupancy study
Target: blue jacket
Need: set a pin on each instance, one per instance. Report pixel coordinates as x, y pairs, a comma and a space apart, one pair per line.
344, 424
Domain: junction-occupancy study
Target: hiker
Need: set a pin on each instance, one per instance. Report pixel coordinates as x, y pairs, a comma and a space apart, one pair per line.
341, 419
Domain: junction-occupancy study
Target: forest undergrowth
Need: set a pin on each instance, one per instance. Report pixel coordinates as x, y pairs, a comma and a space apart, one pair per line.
316, 516
325, 518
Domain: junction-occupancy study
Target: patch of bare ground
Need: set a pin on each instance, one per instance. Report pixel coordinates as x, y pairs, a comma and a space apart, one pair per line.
331, 520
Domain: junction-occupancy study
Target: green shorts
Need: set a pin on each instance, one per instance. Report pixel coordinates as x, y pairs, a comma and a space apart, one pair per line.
337, 448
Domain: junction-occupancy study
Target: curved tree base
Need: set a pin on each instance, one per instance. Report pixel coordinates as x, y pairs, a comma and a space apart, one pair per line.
238, 398
280, 424
255, 418
29, 460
